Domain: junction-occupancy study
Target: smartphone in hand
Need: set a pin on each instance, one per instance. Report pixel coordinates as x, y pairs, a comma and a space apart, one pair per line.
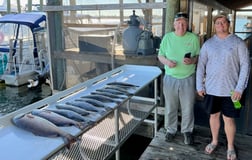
187, 55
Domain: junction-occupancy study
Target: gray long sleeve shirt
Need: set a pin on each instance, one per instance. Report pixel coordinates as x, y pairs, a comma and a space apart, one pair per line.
223, 66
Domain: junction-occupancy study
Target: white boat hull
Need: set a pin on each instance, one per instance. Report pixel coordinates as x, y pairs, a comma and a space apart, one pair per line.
19, 79
23, 51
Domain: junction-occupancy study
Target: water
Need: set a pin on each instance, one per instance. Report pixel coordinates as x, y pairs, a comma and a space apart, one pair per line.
240, 26
14, 98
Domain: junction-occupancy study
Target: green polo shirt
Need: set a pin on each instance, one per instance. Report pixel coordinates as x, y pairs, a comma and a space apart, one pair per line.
174, 48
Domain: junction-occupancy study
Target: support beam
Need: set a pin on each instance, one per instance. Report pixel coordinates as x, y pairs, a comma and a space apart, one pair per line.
29, 5
121, 12
171, 9
58, 66
209, 22
8, 6
41, 5
18, 6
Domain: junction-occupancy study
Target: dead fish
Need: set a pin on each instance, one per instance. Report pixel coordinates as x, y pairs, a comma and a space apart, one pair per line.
109, 94
71, 114
87, 106
73, 108
119, 89
102, 98
78, 110
94, 102
122, 84
42, 127
113, 91
58, 119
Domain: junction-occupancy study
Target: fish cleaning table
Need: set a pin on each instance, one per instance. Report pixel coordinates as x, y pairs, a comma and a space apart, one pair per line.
99, 141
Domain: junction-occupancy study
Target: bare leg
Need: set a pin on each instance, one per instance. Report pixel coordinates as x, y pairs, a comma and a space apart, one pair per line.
230, 130
215, 127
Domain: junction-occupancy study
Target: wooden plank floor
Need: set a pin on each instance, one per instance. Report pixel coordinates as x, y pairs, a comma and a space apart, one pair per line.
159, 149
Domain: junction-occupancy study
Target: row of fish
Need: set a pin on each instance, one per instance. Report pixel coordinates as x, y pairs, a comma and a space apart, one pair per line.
82, 112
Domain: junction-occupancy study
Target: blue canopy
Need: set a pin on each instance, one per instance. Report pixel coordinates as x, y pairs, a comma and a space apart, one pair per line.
30, 19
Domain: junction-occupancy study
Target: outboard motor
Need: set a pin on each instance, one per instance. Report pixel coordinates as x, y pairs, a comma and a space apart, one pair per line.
131, 35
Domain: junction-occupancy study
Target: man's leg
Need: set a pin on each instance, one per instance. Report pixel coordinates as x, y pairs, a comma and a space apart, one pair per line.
215, 127
187, 100
230, 130
171, 104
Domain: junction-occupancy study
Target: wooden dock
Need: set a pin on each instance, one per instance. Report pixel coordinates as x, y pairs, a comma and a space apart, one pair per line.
159, 149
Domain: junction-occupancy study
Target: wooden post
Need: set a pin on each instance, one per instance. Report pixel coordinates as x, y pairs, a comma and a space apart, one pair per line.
18, 6
29, 5
8, 6
73, 13
148, 13
41, 5
209, 22
56, 39
121, 12
171, 9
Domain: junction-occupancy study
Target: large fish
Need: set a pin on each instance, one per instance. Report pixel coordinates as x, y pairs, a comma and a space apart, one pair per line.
71, 114
122, 84
87, 106
42, 127
113, 91
78, 110
95, 103
102, 98
58, 119
109, 94
73, 108
119, 89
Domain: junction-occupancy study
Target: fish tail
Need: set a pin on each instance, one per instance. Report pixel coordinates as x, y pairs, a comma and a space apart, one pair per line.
69, 140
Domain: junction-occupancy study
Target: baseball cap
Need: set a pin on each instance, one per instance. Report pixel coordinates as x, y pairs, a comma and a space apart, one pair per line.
221, 15
180, 15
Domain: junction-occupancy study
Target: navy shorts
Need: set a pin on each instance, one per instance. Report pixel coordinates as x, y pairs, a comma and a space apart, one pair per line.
225, 105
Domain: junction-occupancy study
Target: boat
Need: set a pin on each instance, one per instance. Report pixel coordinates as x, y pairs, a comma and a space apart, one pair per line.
23, 51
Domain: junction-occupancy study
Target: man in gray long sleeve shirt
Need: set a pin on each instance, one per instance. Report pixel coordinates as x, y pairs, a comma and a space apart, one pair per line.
226, 64
223, 67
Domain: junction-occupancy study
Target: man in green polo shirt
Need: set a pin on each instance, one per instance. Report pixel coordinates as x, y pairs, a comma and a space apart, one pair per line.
179, 54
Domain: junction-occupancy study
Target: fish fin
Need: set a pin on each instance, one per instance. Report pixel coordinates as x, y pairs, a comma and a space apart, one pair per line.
91, 123
83, 125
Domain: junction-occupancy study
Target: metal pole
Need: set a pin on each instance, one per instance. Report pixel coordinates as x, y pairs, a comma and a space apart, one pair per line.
156, 108
116, 115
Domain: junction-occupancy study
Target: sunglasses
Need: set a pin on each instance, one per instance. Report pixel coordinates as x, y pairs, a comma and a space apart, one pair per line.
181, 15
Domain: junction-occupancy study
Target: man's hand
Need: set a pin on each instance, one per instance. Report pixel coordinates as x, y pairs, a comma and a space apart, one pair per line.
236, 96
201, 93
171, 63
188, 61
